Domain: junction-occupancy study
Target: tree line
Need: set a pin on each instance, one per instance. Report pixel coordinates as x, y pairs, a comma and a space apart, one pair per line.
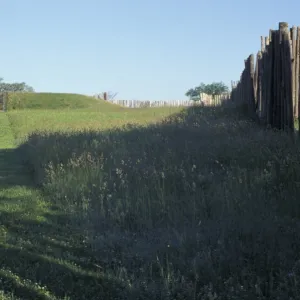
15, 87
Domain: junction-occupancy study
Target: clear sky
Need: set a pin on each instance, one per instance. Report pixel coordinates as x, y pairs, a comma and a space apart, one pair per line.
142, 49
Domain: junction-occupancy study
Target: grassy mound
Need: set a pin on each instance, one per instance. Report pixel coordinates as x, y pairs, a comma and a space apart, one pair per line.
18, 101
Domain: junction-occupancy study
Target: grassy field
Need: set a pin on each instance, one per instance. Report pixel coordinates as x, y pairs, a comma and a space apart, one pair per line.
26, 122
198, 203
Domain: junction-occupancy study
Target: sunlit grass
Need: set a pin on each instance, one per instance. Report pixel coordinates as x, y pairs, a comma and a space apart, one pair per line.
25, 122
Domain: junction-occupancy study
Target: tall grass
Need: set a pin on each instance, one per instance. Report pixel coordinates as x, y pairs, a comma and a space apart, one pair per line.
201, 205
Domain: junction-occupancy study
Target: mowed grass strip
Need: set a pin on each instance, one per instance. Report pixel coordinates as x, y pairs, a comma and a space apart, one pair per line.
6, 134
42, 254
15, 201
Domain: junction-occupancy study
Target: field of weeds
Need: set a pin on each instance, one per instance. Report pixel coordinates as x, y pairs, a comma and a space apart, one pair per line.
202, 204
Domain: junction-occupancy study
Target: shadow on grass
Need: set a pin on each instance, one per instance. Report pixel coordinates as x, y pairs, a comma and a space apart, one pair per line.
36, 255
42, 256
12, 171
60, 278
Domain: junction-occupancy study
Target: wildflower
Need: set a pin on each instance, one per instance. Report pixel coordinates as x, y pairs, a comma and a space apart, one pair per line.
194, 186
119, 171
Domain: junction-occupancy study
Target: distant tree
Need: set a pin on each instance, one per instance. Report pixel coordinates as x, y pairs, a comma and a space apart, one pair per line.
15, 87
213, 89
192, 93
216, 88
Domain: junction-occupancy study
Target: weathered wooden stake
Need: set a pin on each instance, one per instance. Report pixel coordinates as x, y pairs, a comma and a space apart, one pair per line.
293, 61
297, 71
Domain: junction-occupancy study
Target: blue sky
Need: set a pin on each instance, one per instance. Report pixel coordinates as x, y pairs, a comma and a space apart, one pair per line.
142, 49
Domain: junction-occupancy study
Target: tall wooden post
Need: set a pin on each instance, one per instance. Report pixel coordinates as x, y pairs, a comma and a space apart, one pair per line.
294, 59
287, 75
297, 71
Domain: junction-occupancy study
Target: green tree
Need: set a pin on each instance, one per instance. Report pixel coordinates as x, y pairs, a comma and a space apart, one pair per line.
213, 89
216, 88
192, 93
15, 87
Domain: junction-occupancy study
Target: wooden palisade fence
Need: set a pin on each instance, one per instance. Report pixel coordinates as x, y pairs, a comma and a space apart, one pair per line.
270, 89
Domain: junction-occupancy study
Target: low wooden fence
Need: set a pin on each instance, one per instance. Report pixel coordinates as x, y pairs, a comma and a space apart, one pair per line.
205, 100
